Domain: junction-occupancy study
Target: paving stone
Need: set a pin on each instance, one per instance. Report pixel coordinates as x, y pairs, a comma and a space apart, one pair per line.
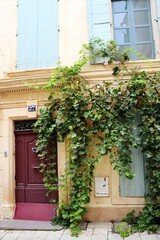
90, 225
101, 231
84, 236
67, 235
99, 237
114, 236
110, 226
54, 235
39, 235
148, 237
89, 231
2, 233
12, 235
26, 235
135, 236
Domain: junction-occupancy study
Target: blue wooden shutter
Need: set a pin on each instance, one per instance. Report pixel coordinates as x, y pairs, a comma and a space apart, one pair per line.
158, 12
136, 186
37, 38
27, 34
99, 21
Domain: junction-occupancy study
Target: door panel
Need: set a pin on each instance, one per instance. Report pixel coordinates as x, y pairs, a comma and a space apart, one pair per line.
29, 181
20, 169
33, 174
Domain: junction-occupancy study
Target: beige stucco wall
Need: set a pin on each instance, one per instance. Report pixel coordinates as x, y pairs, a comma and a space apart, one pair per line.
15, 92
8, 29
73, 24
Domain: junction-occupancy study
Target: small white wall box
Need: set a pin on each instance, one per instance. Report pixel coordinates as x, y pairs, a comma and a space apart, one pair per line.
101, 187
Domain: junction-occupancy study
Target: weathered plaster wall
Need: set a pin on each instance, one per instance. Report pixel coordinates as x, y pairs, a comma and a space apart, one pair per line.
8, 30
73, 24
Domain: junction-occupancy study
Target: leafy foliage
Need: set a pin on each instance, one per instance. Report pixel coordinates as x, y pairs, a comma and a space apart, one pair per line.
123, 229
101, 117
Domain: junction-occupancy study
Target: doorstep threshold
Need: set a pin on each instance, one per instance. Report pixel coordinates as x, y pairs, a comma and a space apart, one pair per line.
15, 224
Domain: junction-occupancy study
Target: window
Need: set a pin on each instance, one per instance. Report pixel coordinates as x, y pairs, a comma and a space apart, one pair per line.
130, 22
132, 26
37, 36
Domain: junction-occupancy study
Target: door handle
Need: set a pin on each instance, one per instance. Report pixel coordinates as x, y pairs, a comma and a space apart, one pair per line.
36, 167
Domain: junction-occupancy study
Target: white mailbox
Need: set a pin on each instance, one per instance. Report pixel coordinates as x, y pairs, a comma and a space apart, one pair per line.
101, 187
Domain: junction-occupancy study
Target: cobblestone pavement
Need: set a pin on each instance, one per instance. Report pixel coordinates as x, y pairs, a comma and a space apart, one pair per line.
95, 231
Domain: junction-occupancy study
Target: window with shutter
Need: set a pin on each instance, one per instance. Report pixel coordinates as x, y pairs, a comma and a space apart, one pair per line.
131, 24
37, 37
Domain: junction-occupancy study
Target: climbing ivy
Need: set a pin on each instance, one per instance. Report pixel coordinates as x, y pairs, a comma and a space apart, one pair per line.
95, 120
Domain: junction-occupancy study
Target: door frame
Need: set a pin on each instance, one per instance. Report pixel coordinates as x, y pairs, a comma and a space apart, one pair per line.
8, 196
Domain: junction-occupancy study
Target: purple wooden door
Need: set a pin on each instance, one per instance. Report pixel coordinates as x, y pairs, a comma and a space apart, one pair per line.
29, 181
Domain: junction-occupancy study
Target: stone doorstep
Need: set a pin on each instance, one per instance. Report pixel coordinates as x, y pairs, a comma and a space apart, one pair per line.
12, 224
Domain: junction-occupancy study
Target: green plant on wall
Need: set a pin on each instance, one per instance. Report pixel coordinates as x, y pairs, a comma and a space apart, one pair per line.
100, 116
123, 230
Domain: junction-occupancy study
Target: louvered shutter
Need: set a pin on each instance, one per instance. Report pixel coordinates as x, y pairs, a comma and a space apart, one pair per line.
37, 37
99, 21
27, 34
135, 187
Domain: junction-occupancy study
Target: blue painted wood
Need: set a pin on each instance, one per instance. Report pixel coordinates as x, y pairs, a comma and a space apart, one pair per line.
99, 21
136, 186
27, 34
37, 38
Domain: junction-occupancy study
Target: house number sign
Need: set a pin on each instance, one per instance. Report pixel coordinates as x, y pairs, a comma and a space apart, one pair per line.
31, 108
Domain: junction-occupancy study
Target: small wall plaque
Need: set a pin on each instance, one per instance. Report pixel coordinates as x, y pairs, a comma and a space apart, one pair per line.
31, 108
101, 187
